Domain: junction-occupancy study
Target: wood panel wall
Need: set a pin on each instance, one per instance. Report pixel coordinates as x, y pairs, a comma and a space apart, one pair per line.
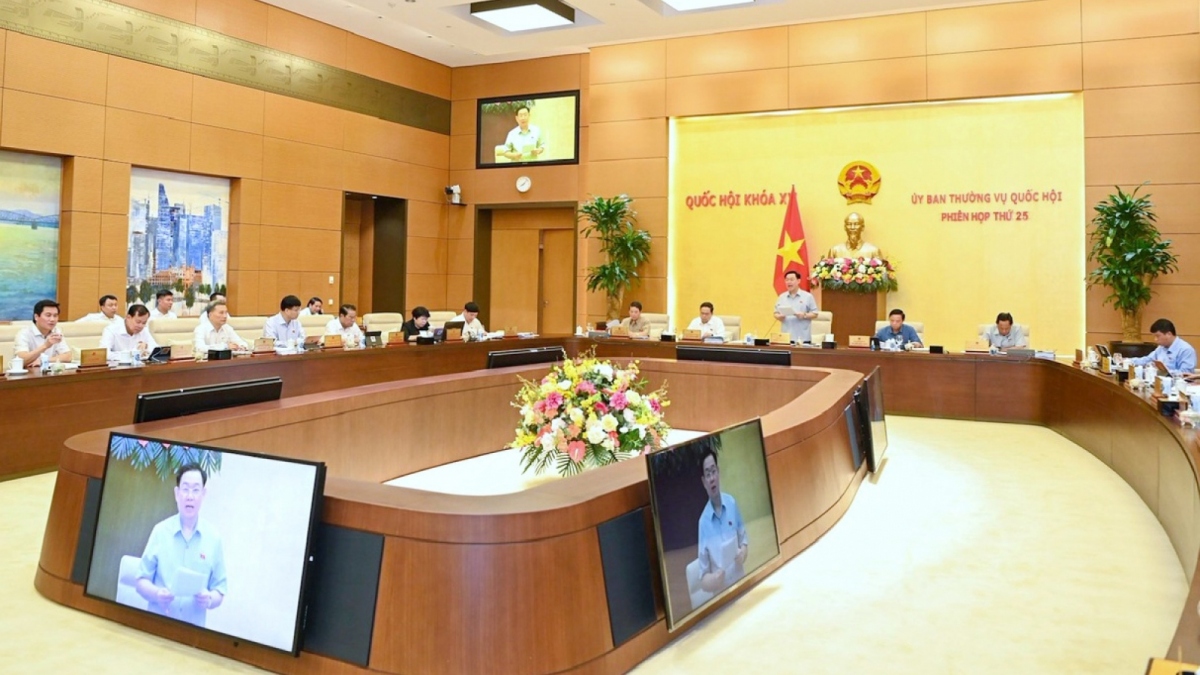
552, 185
290, 160
1138, 65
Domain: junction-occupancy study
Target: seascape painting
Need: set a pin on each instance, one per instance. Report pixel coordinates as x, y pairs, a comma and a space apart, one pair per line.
30, 203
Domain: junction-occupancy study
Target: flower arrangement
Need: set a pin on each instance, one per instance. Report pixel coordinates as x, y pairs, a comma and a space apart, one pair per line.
857, 275
587, 413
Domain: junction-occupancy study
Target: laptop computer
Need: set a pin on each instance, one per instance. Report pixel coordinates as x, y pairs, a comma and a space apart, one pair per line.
159, 355
93, 358
264, 345
453, 330
374, 338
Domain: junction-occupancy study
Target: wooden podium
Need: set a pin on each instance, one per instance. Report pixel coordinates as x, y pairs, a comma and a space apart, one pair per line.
854, 313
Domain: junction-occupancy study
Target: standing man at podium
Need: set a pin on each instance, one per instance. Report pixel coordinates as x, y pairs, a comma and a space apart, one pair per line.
795, 309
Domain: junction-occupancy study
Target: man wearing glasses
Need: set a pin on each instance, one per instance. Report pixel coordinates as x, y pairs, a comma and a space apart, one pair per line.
184, 552
723, 540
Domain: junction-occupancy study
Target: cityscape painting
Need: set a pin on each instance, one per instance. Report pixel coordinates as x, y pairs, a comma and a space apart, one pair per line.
178, 238
30, 196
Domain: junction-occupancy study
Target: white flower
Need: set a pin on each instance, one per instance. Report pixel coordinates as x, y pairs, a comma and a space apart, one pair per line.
609, 423
609, 444
576, 415
557, 424
526, 410
629, 416
641, 432
604, 369
595, 434
565, 385
633, 397
548, 442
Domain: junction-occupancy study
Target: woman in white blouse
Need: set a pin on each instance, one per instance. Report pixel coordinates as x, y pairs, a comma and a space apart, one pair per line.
219, 335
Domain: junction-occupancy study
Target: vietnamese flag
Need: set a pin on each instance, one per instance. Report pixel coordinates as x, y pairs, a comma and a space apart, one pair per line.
793, 252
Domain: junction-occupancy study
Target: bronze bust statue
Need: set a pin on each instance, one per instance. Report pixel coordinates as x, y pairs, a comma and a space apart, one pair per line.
854, 246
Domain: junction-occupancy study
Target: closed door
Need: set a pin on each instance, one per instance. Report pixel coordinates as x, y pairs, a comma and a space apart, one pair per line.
557, 282
515, 280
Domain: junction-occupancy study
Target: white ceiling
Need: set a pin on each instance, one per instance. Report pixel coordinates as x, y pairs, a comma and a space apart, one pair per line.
444, 31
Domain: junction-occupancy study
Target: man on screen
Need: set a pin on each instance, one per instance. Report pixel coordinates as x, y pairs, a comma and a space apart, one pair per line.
723, 540
183, 553
525, 141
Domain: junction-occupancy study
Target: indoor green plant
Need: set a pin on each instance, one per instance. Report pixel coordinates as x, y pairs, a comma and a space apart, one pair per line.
1129, 253
614, 222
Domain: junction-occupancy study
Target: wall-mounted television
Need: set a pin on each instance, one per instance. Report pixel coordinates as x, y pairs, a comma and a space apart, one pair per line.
714, 521
161, 405
214, 538
534, 129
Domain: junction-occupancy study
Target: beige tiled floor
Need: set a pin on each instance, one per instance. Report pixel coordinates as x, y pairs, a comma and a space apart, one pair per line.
982, 548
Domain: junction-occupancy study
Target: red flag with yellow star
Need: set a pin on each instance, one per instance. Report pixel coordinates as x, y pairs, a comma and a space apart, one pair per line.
793, 252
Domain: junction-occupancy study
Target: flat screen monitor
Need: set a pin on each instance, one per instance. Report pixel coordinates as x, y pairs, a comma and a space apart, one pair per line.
214, 538
161, 405
705, 554
535, 129
759, 357
879, 440
525, 357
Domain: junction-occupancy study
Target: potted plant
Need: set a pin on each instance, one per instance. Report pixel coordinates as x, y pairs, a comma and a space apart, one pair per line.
614, 222
1129, 254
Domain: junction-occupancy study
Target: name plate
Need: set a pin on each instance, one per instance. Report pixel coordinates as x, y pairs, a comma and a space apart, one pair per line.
978, 346
781, 339
452, 334
863, 341
92, 358
333, 341
692, 334
262, 345
619, 331
395, 337
181, 350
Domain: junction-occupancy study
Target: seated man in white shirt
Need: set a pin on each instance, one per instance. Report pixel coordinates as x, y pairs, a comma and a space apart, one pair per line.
285, 326
163, 301
108, 311
218, 335
472, 328
214, 297
345, 324
1005, 334
314, 307
706, 323
131, 334
42, 337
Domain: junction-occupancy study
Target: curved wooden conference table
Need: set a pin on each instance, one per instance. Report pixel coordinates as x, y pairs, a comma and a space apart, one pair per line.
553, 625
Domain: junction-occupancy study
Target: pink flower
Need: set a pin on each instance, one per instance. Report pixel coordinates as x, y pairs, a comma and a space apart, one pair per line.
554, 400
655, 405
540, 406
613, 435
575, 450
561, 444
601, 408
585, 387
618, 401
573, 430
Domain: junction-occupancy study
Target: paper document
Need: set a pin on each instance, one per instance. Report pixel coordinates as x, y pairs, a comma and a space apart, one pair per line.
188, 583
729, 549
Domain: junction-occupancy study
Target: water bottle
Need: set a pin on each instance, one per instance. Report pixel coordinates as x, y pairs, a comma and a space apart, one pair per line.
45, 362
137, 358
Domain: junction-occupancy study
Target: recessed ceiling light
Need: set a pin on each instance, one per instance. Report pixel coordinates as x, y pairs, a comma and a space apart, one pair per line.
691, 5
521, 15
